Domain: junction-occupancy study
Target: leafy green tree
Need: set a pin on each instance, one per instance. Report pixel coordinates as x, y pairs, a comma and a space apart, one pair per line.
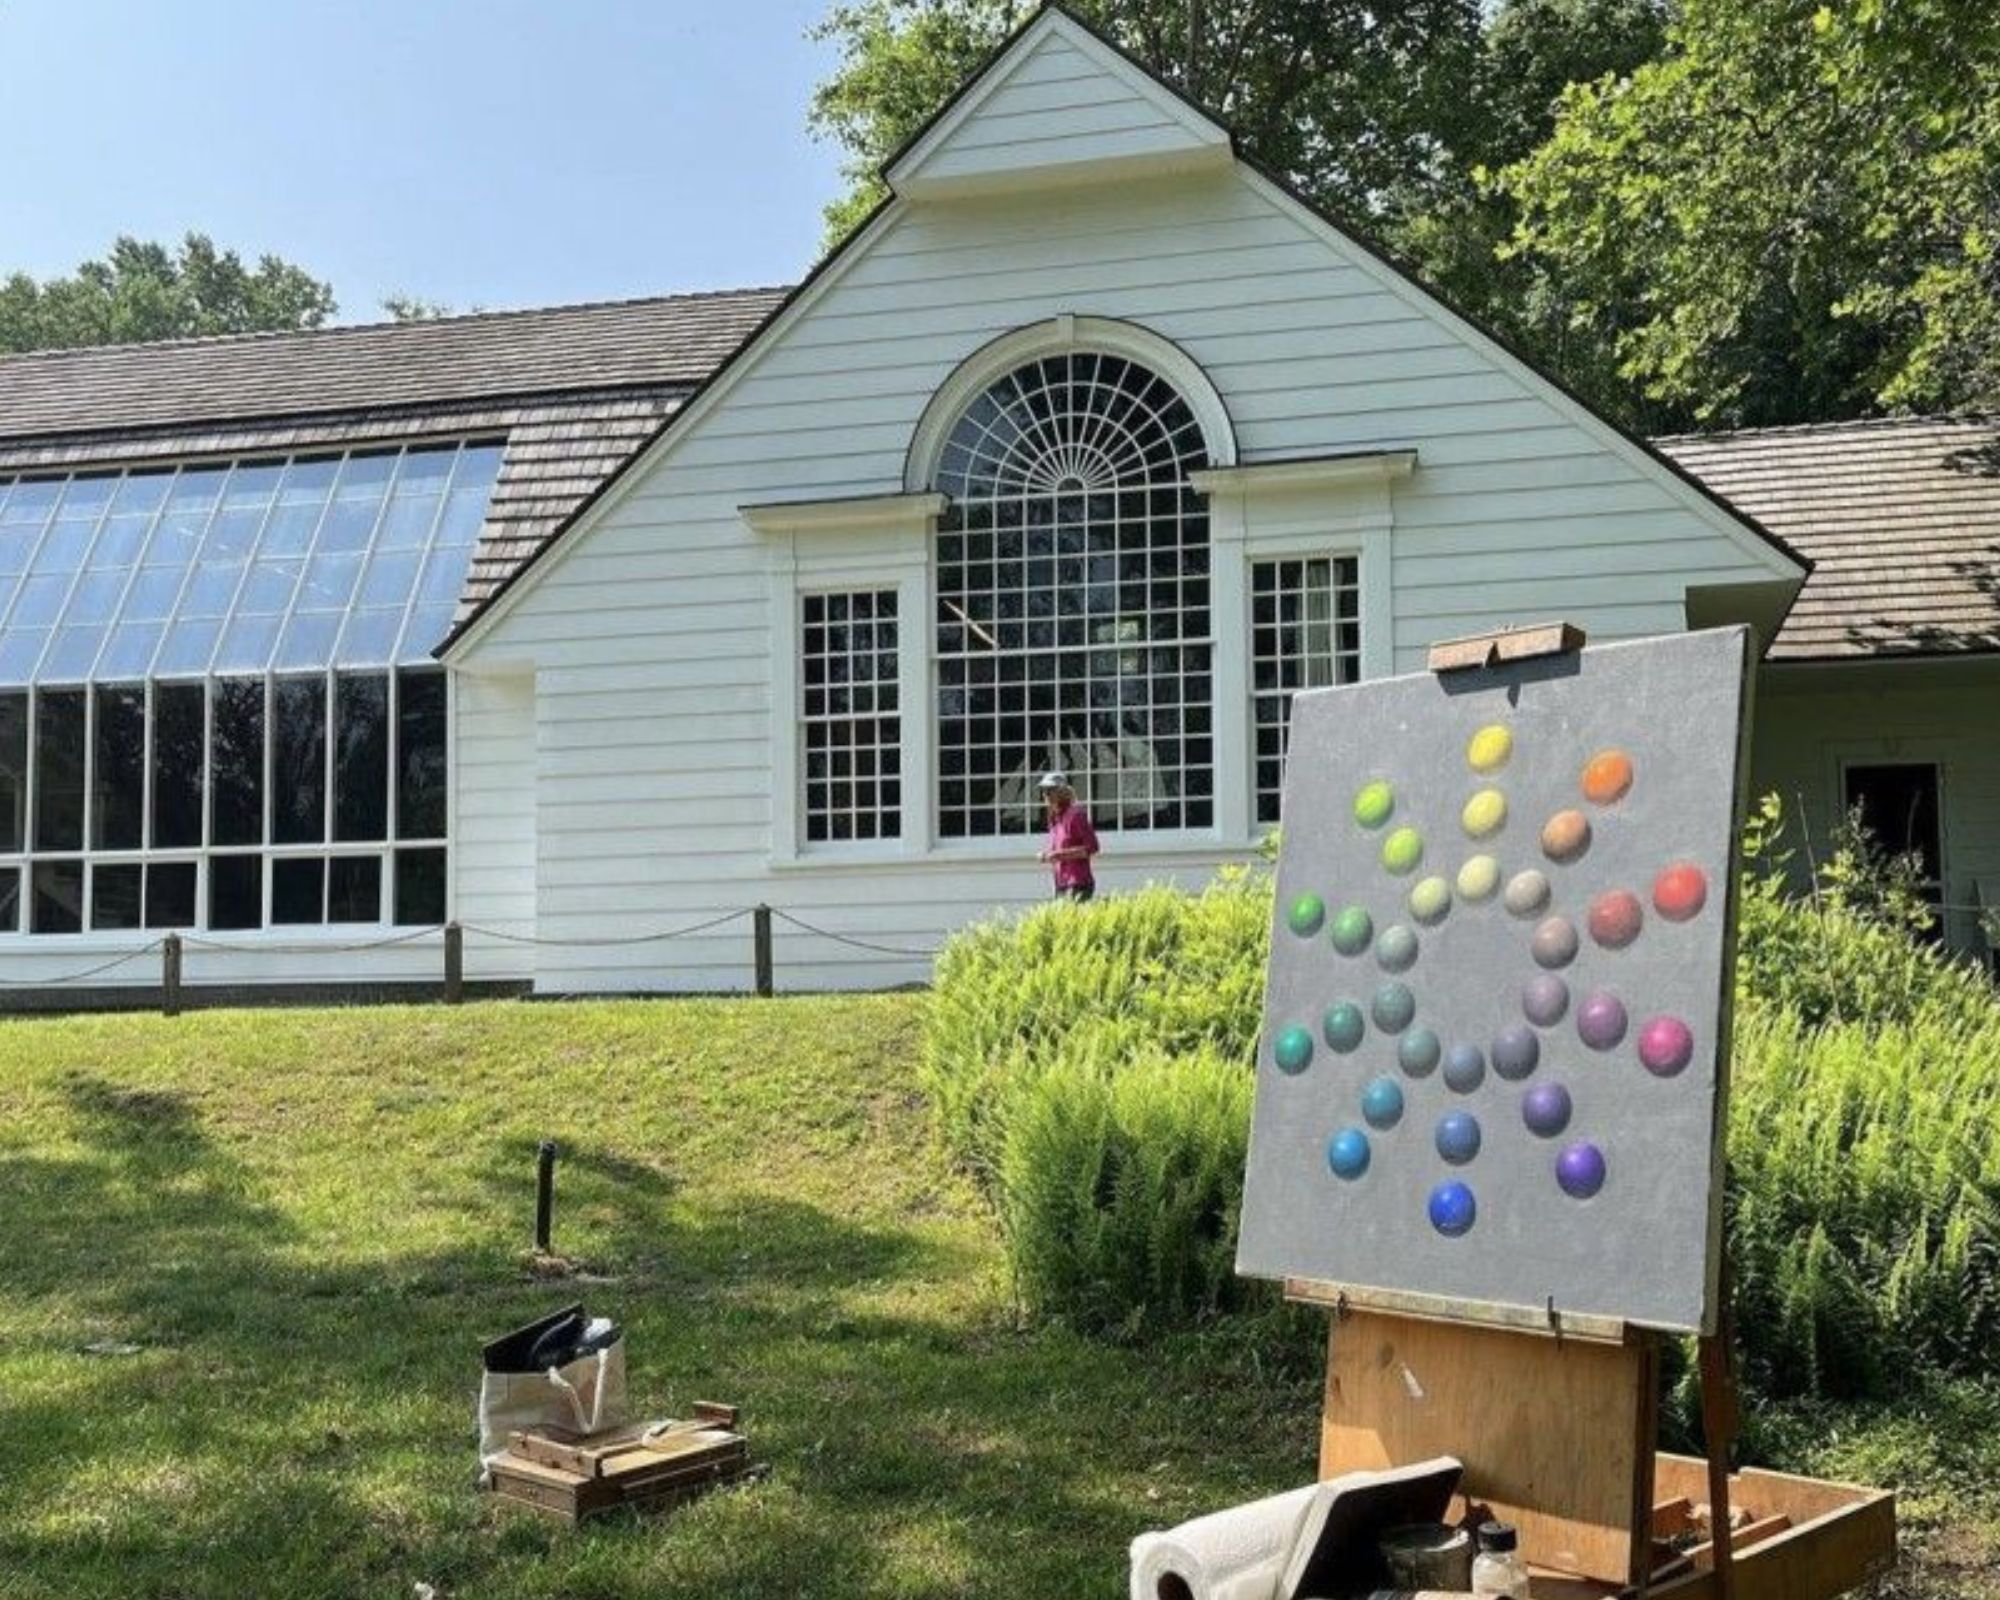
142, 290
400, 307
1790, 215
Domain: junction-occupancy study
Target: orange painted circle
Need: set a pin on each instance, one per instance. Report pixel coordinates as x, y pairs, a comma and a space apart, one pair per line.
1565, 836
1607, 777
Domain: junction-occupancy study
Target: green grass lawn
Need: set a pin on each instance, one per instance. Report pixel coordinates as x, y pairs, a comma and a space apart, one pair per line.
307, 1221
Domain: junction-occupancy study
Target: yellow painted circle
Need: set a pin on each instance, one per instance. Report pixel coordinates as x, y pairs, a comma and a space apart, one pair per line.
1430, 899
1484, 813
1489, 748
1478, 878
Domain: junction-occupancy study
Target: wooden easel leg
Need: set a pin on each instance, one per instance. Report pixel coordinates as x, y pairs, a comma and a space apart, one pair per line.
1719, 1419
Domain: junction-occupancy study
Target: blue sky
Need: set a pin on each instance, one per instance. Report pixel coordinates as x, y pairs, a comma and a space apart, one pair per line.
496, 154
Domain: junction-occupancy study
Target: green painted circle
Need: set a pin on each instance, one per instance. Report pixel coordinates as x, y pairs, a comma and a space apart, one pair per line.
1402, 850
1373, 802
1293, 1050
1430, 900
1307, 912
1343, 1026
1352, 930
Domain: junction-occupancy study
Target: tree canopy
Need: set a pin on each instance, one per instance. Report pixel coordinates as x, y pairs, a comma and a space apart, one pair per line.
142, 290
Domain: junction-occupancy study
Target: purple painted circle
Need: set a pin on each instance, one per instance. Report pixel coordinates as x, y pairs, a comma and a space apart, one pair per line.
1580, 1170
1458, 1137
1666, 1045
1464, 1068
1601, 1020
1544, 999
1546, 1109
1453, 1209
1516, 1050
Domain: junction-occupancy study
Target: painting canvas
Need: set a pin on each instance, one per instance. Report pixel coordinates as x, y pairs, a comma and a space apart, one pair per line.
1495, 1027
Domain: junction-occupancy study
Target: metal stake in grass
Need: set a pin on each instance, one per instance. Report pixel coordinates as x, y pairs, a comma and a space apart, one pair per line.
545, 1193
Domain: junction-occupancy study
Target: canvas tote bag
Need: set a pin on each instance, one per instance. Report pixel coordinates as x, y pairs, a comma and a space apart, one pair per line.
565, 1370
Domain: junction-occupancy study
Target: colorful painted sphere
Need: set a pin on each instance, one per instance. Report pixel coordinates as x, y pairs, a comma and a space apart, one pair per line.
1544, 999
1373, 802
1453, 1209
1680, 891
1478, 878
1601, 1020
1417, 1052
1554, 944
1343, 1026
1607, 777
1580, 1170
1565, 836
1396, 948
1353, 928
1484, 814
1526, 894
1458, 1137
1615, 918
1402, 850
1305, 914
1347, 1153
1430, 900
1666, 1046
1382, 1103
1394, 1007
1546, 1109
1464, 1068
1516, 1050
1293, 1050
1489, 748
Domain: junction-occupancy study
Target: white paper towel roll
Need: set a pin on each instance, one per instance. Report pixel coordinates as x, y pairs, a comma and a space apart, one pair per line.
1238, 1554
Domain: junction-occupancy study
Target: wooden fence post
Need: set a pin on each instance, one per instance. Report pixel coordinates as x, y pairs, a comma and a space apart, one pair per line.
170, 975
454, 964
760, 945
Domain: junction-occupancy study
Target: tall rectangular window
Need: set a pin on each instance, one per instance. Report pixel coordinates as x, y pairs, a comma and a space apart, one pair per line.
853, 726
178, 716
118, 771
361, 756
13, 773
1305, 633
420, 755
236, 763
59, 763
298, 760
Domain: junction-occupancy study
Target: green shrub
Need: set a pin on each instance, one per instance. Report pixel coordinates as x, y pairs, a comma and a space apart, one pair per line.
1120, 1189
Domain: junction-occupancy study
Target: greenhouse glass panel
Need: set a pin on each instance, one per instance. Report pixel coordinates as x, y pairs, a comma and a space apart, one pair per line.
242, 567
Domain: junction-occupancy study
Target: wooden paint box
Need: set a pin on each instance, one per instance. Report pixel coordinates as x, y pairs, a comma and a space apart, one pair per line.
649, 1467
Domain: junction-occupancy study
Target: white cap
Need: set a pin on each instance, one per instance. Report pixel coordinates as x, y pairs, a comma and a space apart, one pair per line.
1054, 780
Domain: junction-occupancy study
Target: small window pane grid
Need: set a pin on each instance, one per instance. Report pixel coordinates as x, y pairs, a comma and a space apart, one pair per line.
852, 716
1305, 633
227, 805
1073, 603
238, 567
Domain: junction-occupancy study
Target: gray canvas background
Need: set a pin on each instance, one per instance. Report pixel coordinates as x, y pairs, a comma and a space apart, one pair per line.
1644, 1247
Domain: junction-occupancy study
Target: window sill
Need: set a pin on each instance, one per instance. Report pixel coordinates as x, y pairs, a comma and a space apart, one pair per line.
1018, 851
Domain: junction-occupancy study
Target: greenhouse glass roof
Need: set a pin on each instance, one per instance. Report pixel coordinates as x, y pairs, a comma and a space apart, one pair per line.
267, 565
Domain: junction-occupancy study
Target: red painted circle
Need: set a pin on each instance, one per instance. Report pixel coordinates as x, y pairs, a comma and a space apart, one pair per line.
1615, 918
1680, 891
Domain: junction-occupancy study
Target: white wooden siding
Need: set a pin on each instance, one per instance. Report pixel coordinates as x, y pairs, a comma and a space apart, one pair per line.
651, 632
493, 820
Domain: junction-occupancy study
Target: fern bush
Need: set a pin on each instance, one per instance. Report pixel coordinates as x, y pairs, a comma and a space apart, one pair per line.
1120, 1189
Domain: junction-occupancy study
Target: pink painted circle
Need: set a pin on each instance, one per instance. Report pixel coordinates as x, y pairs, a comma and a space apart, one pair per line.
1666, 1046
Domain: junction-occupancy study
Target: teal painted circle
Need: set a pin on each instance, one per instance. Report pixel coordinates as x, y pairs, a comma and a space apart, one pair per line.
1343, 1026
1353, 928
1417, 1052
1347, 1153
1396, 948
1394, 1007
1382, 1103
1307, 912
1293, 1050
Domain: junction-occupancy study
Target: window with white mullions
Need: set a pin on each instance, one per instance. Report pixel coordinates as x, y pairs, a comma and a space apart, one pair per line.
852, 716
1073, 612
1305, 633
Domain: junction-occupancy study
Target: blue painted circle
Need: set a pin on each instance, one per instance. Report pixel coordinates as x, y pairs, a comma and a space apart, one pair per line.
1343, 1026
1382, 1103
1464, 1068
1347, 1153
1417, 1052
1458, 1137
1453, 1209
1394, 1007
1293, 1050
1516, 1050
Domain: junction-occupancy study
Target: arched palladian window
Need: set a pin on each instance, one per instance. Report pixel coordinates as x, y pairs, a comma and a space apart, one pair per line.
1073, 601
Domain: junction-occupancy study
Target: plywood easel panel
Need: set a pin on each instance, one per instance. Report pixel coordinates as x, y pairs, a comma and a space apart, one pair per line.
1556, 1435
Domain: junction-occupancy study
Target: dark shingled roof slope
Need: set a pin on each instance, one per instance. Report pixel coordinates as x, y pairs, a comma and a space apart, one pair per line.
1900, 517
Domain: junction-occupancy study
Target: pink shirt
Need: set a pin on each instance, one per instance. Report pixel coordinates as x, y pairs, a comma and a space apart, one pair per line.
1072, 831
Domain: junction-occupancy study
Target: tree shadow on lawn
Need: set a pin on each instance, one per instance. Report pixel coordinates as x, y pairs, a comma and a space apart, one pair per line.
305, 1427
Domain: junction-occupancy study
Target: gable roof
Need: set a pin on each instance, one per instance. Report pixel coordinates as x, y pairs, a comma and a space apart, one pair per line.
1900, 516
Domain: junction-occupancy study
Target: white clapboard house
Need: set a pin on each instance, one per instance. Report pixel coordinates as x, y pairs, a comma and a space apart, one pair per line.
590, 624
